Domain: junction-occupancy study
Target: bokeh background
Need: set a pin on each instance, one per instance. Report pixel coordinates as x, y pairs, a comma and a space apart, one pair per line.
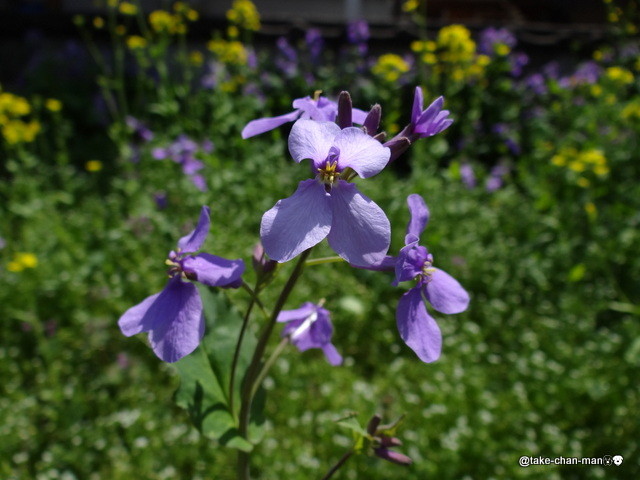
120, 119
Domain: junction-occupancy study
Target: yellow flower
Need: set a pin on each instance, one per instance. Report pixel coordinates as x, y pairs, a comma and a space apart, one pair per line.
98, 22
601, 170
135, 42
233, 32
192, 15
591, 210
127, 8
229, 52
196, 58
576, 166
53, 105
13, 105
619, 75
456, 44
596, 90
559, 160
583, 182
390, 67
631, 111
17, 131
502, 49
121, 30
112, 3
164, 22
21, 261
93, 166
429, 58
410, 6
244, 14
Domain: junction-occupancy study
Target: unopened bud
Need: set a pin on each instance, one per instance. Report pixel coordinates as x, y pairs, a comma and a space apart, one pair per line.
261, 264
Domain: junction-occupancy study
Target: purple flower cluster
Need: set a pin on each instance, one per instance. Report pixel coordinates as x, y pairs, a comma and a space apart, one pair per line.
492, 37
327, 205
183, 151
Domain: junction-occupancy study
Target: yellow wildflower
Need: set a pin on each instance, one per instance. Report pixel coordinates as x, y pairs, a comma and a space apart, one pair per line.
390, 67
196, 58
502, 49
229, 52
559, 160
410, 6
112, 3
456, 44
596, 90
429, 58
164, 22
98, 22
127, 8
93, 166
53, 105
21, 261
135, 42
591, 210
17, 131
583, 182
233, 32
619, 75
244, 14
576, 166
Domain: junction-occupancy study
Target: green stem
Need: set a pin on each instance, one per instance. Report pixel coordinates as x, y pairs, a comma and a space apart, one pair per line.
236, 353
254, 296
338, 464
320, 261
248, 387
268, 364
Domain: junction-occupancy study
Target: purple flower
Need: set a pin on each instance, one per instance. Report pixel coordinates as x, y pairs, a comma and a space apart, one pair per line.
467, 175
417, 328
321, 109
174, 317
358, 32
315, 43
140, 131
424, 123
536, 83
328, 205
496, 178
182, 151
310, 327
491, 37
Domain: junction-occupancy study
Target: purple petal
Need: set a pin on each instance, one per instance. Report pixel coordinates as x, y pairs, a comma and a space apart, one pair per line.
410, 261
297, 314
358, 116
419, 215
314, 332
296, 223
261, 125
430, 113
446, 294
416, 109
361, 152
311, 139
333, 357
134, 320
193, 241
313, 110
392, 456
371, 122
360, 231
387, 264
215, 271
178, 321
417, 328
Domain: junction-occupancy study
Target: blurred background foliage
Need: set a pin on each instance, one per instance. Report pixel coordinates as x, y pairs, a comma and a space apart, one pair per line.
109, 149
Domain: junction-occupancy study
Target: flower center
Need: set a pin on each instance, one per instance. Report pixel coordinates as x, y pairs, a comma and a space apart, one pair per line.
176, 266
329, 173
427, 270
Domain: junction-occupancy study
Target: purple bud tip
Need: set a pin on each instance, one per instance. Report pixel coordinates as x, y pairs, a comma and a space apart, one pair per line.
391, 456
345, 108
373, 424
372, 121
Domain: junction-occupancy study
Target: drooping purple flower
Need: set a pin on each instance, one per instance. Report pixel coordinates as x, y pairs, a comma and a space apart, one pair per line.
310, 327
174, 317
417, 328
321, 109
315, 43
424, 123
329, 206
287, 58
358, 35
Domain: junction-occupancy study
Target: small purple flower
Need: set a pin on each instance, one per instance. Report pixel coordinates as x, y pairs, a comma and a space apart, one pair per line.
174, 317
467, 175
424, 123
536, 84
140, 131
310, 327
358, 32
315, 43
417, 328
328, 206
182, 151
491, 37
496, 178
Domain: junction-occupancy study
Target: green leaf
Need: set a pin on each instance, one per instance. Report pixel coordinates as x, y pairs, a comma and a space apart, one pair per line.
205, 376
361, 439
